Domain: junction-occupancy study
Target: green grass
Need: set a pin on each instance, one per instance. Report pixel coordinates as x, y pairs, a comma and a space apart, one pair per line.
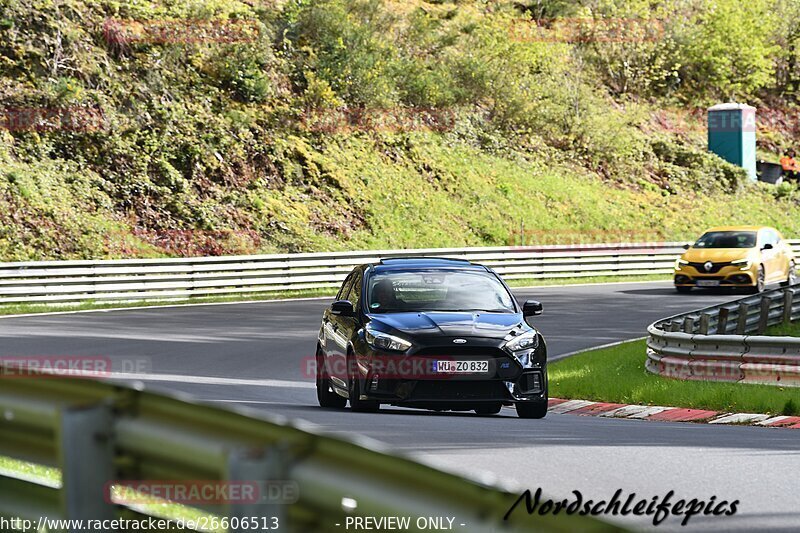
618, 375
536, 141
789, 330
25, 470
52, 477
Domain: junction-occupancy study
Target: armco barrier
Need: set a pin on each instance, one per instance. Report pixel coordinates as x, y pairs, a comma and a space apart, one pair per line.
136, 279
141, 279
717, 343
97, 432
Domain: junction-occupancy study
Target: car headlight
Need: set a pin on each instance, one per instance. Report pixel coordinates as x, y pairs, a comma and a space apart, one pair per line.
743, 264
526, 341
384, 341
679, 263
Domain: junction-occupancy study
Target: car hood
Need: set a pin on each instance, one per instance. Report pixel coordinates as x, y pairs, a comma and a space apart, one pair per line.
466, 324
716, 255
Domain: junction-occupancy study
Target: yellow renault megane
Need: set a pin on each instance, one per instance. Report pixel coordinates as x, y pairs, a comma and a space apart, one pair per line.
736, 256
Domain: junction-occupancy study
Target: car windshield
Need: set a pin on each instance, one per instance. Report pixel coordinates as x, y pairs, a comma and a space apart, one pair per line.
727, 239
438, 290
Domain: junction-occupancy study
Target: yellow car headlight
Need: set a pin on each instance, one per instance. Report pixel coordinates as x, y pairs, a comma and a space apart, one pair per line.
679, 263
743, 264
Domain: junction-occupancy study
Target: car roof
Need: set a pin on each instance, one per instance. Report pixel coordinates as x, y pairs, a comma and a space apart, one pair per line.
739, 228
415, 263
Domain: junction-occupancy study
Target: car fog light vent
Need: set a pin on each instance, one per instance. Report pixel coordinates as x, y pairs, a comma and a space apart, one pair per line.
374, 384
530, 383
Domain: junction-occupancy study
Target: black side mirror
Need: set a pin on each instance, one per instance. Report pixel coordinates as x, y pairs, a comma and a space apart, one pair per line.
531, 308
342, 308
767, 246
687, 246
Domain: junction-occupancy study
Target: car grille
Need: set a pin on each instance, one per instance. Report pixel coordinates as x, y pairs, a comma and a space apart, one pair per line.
462, 351
459, 390
715, 267
505, 367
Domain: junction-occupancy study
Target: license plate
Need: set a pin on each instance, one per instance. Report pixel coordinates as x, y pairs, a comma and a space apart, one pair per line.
708, 283
461, 367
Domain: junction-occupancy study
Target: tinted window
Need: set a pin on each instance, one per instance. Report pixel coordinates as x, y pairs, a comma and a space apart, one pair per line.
355, 291
345, 287
727, 239
438, 290
770, 237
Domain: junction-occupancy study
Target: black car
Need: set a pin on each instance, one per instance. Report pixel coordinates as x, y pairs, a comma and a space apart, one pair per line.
442, 334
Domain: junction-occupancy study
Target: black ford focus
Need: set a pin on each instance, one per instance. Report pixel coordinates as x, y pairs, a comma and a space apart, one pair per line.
441, 334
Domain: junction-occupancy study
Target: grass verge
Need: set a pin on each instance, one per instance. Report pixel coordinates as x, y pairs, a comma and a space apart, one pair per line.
280, 295
52, 477
618, 375
789, 330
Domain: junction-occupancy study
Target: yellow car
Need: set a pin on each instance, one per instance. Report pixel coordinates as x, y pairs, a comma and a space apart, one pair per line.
736, 256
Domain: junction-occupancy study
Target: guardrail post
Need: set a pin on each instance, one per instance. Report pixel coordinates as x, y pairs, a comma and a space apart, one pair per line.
86, 454
674, 325
264, 468
788, 301
705, 319
722, 320
741, 325
688, 325
763, 318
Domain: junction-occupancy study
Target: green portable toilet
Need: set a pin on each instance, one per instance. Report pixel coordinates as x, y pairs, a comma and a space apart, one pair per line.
732, 134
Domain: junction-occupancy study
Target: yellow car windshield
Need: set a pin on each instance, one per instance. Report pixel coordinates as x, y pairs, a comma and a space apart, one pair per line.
727, 239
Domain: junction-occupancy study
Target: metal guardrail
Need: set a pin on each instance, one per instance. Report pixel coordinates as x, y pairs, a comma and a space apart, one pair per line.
137, 279
98, 432
726, 342
143, 279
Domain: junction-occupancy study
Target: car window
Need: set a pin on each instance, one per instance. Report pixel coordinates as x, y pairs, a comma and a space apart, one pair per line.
772, 237
341, 295
438, 290
727, 239
354, 295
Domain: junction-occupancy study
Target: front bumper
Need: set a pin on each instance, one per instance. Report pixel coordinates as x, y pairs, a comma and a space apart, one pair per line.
728, 276
411, 382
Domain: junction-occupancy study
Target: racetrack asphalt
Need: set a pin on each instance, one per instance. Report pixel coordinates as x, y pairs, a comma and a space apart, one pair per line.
256, 354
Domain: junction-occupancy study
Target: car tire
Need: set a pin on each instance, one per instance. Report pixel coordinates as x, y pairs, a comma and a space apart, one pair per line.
761, 281
791, 278
532, 409
326, 396
489, 409
683, 290
354, 391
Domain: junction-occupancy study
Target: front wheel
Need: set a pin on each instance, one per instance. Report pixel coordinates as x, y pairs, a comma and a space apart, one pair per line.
532, 409
354, 390
761, 281
325, 395
489, 409
791, 277
683, 290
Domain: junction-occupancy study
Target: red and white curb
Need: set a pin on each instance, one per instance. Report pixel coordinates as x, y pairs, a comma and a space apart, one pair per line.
668, 414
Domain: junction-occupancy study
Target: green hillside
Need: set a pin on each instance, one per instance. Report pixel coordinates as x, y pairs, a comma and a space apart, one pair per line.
177, 127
